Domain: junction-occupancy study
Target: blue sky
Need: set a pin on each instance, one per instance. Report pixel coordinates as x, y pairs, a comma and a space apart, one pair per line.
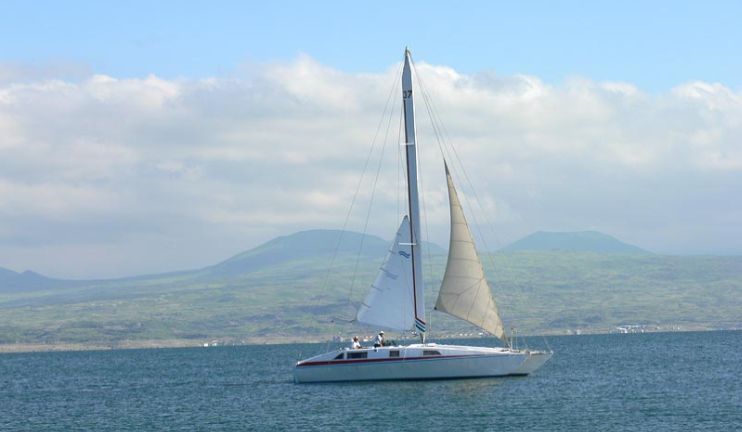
140, 137
652, 44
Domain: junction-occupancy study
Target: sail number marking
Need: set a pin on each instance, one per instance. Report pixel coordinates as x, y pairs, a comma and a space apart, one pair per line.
406, 94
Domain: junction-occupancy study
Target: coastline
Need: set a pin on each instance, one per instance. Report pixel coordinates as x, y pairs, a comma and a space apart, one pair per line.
31, 347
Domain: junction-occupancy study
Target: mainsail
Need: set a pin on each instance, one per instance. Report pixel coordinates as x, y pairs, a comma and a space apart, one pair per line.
464, 291
389, 303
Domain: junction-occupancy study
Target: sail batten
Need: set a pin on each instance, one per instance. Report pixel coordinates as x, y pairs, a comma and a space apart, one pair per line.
464, 291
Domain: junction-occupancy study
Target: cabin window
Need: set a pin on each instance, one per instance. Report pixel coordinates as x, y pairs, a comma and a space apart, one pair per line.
358, 355
339, 356
431, 353
394, 353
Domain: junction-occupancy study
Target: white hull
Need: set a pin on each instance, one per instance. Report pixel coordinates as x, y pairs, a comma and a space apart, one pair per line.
418, 362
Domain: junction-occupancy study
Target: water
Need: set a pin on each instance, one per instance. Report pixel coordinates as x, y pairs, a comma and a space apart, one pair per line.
635, 382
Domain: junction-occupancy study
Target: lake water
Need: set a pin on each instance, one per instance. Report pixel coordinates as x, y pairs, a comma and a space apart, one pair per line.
631, 382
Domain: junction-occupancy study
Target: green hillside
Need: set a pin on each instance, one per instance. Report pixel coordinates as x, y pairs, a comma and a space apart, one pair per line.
263, 295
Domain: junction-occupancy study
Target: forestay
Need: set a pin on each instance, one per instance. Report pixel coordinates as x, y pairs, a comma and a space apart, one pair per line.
464, 291
389, 303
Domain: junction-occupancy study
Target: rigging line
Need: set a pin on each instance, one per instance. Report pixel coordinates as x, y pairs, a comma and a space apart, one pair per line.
446, 138
406, 277
426, 249
547, 343
401, 178
435, 123
425, 96
471, 185
331, 265
401, 183
371, 200
413, 238
442, 139
441, 135
423, 92
360, 183
479, 204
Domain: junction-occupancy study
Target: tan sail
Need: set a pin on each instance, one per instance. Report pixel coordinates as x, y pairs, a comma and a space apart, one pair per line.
464, 292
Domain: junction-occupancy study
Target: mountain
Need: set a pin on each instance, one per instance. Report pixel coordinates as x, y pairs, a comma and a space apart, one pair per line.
312, 248
306, 245
580, 241
291, 288
11, 281
301, 245
303, 299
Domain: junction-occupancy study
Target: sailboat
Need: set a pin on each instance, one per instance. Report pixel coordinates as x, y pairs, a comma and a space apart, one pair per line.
395, 300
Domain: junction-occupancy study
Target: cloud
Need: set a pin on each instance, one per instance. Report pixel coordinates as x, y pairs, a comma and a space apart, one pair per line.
166, 174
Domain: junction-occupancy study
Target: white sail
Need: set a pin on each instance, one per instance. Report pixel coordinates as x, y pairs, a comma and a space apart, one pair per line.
389, 303
464, 291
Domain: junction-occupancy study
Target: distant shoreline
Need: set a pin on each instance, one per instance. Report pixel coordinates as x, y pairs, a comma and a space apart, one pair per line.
189, 343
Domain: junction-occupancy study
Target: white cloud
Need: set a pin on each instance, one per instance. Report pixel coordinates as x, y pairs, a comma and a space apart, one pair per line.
217, 165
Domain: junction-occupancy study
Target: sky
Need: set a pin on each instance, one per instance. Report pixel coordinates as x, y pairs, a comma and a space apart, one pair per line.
142, 137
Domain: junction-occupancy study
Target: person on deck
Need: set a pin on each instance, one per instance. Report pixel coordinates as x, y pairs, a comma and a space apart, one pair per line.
356, 343
379, 340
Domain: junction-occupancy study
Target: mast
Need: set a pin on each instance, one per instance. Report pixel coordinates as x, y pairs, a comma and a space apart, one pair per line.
412, 196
